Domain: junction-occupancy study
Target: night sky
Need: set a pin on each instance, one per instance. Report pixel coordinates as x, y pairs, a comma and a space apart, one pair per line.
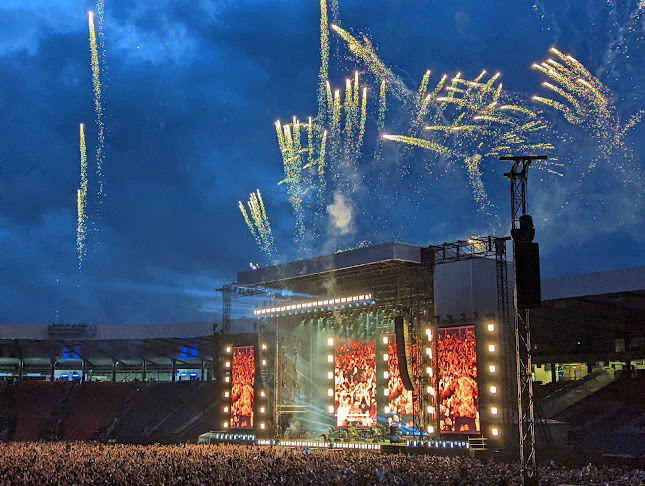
190, 95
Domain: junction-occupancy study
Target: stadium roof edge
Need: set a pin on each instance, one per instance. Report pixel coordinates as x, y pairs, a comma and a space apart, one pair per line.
146, 331
598, 283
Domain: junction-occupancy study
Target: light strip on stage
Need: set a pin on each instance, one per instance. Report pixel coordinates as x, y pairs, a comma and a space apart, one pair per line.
316, 305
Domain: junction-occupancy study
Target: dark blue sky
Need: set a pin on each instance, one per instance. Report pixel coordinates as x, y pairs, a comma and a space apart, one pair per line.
191, 91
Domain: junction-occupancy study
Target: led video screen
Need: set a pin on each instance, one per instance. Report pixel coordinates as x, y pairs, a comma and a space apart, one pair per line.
355, 383
400, 399
457, 373
242, 390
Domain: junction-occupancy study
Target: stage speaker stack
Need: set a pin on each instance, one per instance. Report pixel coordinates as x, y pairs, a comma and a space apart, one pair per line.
527, 265
403, 352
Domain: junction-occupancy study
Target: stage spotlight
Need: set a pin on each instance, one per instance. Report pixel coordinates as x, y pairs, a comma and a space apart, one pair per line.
493, 410
262, 409
386, 375
262, 394
331, 409
330, 392
330, 358
495, 431
227, 364
492, 368
430, 429
385, 357
225, 409
225, 425
386, 392
228, 349
491, 327
491, 348
493, 389
330, 341
385, 340
227, 379
227, 394
264, 346
330, 375
262, 426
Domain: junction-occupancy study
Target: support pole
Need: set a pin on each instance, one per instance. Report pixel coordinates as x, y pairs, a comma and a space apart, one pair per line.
524, 367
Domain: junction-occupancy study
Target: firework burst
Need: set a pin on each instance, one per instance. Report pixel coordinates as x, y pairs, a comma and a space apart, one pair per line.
258, 222
585, 102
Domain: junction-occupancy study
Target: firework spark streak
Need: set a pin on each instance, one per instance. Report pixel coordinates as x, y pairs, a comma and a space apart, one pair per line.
98, 107
258, 223
586, 102
365, 52
323, 76
81, 201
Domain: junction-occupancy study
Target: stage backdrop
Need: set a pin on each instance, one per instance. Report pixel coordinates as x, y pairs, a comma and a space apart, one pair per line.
457, 373
355, 383
242, 390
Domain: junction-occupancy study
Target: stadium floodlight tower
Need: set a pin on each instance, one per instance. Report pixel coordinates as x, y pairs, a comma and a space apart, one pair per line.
526, 261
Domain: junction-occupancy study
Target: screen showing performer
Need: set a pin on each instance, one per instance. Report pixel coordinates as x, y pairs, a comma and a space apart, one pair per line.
242, 390
400, 399
458, 391
355, 384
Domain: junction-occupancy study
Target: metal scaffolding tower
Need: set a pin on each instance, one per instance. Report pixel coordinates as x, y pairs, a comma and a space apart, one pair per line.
487, 247
228, 291
481, 247
526, 417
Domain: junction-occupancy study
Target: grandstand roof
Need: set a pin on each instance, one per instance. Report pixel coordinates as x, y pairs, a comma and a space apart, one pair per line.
105, 344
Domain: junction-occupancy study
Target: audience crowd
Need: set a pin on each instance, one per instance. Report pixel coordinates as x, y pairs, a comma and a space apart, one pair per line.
86, 463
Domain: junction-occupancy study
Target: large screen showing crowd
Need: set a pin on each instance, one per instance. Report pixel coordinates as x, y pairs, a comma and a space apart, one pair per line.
242, 391
355, 383
400, 399
457, 372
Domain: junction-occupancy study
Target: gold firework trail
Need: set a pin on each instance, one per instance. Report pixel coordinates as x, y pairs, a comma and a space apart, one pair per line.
81, 201
98, 108
365, 52
323, 75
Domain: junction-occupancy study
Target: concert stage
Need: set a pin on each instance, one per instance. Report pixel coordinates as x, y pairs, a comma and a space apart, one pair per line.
356, 346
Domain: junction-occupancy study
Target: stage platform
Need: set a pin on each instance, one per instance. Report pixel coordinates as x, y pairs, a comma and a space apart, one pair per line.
405, 445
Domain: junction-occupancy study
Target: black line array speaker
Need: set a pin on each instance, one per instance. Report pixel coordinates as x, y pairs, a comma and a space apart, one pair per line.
403, 352
527, 275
